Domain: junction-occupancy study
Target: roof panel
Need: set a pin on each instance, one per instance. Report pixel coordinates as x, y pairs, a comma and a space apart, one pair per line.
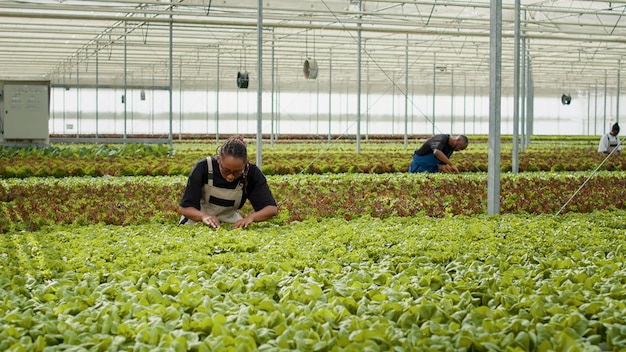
577, 41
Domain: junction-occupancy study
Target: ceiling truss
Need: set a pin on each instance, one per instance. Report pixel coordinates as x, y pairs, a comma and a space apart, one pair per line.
571, 45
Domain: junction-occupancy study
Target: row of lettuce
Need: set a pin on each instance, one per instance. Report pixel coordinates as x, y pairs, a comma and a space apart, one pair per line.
418, 266
281, 159
33, 203
481, 283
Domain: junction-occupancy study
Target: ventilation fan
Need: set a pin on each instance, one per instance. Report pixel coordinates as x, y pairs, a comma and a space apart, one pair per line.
566, 99
242, 79
310, 69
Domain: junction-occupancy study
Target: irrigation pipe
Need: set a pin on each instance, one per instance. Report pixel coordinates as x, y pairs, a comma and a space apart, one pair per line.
589, 178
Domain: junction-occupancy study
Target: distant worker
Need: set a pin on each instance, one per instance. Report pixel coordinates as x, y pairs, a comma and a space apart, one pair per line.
434, 154
610, 141
219, 186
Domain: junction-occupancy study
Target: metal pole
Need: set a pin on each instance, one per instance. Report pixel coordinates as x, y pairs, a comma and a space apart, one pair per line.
474, 111
358, 85
530, 101
125, 77
451, 100
207, 106
516, 84
523, 94
367, 100
605, 97
406, 92
152, 103
171, 78
237, 111
589, 111
522, 84
595, 111
77, 100
217, 98
259, 93
619, 71
393, 105
464, 102
330, 91
97, 84
272, 93
277, 102
180, 99
434, 88
413, 108
495, 78
317, 107
63, 116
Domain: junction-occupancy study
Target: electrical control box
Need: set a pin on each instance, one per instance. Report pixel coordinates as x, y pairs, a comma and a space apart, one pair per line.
25, 111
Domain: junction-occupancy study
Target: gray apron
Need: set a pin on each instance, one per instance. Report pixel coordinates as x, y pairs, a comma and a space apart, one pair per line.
224, 214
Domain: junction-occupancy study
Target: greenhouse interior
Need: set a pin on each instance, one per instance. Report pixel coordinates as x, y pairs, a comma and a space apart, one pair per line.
348, 67
312, 175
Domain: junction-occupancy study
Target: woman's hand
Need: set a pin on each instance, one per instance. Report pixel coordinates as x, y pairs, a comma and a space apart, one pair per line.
243, 223
261, 215
212, 221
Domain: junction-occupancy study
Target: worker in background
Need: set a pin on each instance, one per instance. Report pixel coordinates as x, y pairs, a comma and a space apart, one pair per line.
610, 141
434, 155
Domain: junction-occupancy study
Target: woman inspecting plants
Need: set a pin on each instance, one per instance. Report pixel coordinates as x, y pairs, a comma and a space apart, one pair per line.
214, 197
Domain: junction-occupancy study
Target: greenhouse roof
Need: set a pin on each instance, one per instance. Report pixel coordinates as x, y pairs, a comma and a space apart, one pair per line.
570, 45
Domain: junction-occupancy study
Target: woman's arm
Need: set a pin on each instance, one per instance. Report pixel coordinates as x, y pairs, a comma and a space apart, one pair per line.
191, 213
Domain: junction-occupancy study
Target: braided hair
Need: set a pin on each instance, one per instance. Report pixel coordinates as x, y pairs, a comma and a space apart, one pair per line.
235, 146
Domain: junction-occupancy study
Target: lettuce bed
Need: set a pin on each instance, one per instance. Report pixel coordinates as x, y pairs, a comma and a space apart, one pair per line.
506, 283
34, 203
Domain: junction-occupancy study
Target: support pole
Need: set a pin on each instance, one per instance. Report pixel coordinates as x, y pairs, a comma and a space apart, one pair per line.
125, 97
217, 98
605, 98
273, 90
523, 94
330, 93
406, 92
259, 93
451, 100
619, 71
171, 78
495, 81
516, 85
434, 90
358, 84
97, 86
